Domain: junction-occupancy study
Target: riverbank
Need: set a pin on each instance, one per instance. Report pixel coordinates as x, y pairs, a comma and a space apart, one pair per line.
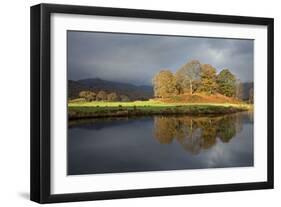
80, 110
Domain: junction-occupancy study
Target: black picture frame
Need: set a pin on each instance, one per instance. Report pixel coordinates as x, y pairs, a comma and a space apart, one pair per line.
40, 102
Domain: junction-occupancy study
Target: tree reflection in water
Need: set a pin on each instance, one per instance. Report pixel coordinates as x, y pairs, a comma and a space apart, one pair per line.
197, 133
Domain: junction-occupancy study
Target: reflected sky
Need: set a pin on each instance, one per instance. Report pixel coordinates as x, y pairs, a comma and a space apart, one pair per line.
159, 143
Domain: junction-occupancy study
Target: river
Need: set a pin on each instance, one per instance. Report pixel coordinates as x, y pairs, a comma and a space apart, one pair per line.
154, 143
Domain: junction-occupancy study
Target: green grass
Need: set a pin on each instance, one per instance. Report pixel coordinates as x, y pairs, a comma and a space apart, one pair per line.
98, 105
151, 107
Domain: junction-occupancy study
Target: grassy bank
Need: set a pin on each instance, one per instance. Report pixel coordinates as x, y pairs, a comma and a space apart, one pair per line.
79, 110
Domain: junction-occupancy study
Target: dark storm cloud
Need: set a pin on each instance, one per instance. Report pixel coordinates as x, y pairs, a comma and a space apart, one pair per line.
136, 58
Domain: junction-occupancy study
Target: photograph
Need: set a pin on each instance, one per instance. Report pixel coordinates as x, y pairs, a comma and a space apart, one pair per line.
132, 103
154, 102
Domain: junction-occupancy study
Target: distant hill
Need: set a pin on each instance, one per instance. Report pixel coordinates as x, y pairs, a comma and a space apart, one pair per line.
95, 84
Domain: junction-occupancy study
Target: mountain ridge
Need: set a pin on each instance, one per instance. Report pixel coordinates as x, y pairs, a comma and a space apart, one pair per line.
134, 92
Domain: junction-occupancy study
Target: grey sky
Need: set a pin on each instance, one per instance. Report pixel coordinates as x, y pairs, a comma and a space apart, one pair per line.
135, 58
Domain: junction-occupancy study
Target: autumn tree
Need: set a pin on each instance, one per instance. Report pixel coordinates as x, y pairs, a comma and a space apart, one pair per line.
124, 98
226, 83
188, 75
239, 90
112, 97
88, 95
101, 96
251, 95
164, 84
208, 76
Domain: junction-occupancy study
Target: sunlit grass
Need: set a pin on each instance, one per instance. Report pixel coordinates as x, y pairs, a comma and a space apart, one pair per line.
151, 107
152, 103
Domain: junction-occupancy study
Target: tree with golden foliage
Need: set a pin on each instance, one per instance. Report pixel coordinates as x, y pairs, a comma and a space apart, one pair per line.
101, 96
88, 95
112, 97
164, 84
188, 75
208, 76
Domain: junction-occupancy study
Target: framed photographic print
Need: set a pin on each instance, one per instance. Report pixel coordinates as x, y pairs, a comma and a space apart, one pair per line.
132, 103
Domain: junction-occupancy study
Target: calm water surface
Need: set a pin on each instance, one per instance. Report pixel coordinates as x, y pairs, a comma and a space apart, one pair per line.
159, 143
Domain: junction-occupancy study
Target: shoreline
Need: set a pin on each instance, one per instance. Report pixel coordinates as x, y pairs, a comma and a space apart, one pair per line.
86, 112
